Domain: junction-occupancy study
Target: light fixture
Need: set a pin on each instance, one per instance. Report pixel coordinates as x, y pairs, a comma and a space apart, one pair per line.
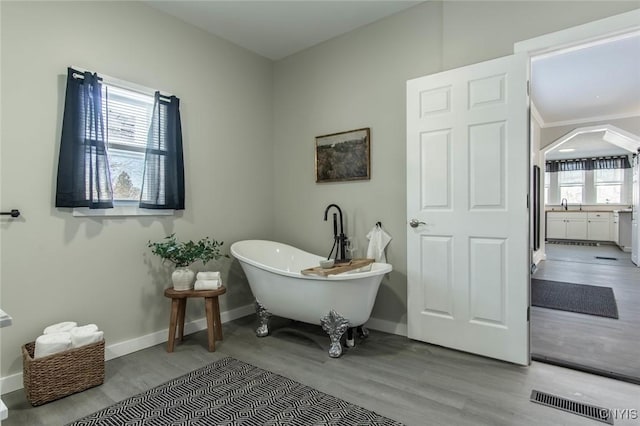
567, 150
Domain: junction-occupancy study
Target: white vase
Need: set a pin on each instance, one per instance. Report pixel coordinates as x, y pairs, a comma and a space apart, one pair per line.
182, 278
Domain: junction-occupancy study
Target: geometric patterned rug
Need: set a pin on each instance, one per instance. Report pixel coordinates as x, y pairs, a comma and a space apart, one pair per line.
231, 392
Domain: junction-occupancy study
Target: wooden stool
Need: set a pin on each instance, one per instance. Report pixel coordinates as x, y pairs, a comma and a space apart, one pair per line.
178, 308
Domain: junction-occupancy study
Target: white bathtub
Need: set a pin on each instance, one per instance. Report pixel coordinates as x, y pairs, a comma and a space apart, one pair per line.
336, 302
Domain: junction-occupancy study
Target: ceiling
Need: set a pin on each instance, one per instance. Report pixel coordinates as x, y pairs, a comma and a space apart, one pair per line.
586, 145
579, 85
276, 29
588, 83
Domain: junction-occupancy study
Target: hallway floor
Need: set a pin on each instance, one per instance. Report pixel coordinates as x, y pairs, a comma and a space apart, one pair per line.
600, 344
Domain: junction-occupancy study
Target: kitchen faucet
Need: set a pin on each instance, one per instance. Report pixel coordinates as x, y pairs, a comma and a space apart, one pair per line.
563, 203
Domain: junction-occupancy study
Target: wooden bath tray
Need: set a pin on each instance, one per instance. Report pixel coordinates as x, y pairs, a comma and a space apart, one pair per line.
337, 269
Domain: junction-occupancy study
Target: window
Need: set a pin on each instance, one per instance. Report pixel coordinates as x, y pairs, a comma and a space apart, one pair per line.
547, 186
608, 184
571, 186
120, 149
127, 117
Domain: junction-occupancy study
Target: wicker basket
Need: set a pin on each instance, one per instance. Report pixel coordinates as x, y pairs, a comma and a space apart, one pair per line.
62, 374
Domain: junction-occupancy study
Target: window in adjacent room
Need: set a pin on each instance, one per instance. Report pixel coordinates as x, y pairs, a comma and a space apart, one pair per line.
608, 184
547, 186
571, 186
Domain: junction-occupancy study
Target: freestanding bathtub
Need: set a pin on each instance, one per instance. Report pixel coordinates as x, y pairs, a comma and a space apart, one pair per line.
337, 302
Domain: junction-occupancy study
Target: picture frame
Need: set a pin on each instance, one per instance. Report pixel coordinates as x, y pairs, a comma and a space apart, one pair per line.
343, 156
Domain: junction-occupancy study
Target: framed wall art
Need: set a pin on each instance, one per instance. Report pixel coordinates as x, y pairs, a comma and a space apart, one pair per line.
343, 156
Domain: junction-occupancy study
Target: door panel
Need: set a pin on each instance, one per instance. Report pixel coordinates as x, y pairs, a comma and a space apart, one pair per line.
467, 180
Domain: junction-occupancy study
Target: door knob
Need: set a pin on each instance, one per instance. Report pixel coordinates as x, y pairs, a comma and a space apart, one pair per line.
414, 223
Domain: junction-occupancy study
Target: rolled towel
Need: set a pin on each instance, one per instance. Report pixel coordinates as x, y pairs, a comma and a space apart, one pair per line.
52, 343
60, 327
89, 328
85, 335
208, 276
207, 284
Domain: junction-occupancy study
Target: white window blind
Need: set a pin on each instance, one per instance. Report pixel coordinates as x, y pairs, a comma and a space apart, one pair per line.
127, 119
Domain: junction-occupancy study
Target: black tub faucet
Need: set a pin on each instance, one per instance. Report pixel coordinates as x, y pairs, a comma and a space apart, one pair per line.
338, 239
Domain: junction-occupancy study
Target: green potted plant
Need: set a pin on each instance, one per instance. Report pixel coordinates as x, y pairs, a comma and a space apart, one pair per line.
209, 249
183, 254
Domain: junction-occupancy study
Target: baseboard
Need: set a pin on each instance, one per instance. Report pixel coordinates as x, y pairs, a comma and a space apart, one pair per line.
387, 326
14, 382
538, 257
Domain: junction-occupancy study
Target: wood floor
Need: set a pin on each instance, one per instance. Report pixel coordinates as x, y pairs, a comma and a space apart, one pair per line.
412, 382
594, 342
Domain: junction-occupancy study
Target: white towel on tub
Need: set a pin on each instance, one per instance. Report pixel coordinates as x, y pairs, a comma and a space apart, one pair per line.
52, 343
378, 240
60, 327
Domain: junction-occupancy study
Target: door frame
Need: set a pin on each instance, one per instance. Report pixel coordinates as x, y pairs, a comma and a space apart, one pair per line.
591, 33
577, 37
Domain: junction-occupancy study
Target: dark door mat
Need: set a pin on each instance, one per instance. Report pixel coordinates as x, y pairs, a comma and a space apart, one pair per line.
580, 298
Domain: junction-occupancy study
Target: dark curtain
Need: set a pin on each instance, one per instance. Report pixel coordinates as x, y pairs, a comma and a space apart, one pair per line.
617, 162
83, 165
566, 165
621, 162
163, 180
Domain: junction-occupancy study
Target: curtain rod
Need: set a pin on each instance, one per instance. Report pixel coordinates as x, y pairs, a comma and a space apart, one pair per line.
123, 84
591, 158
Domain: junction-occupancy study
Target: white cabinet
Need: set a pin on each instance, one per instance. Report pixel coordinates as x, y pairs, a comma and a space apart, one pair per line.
624, 231
599, 226
615, 227
556, 226
577, 226
580, 225
567, 225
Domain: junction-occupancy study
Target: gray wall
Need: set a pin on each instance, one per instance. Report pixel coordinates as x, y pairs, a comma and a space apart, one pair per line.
358, 80
57, 267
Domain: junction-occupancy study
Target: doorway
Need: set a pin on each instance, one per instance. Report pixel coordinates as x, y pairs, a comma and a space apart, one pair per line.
458, 285
583, 256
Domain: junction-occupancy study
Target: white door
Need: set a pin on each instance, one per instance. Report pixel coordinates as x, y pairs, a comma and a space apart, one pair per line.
468, 182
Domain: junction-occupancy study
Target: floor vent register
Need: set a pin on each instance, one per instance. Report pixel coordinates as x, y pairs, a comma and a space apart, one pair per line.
593, 412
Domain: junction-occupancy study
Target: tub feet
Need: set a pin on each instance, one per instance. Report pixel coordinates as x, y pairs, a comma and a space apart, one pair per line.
350, 341
335, 325
362, 333
263, 320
